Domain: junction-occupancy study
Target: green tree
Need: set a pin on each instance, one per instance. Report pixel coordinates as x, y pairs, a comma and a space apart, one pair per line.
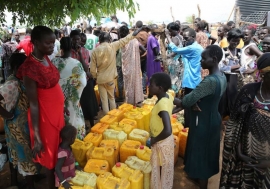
189, 19
53, 12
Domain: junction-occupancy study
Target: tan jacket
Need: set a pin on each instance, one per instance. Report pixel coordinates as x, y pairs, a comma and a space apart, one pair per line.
103, 60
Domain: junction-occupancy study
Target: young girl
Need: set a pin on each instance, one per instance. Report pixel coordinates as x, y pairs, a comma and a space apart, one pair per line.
65, 166
162, 140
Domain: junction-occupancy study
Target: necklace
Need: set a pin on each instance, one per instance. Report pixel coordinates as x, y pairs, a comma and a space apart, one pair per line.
261, 93
232, 56
37, 58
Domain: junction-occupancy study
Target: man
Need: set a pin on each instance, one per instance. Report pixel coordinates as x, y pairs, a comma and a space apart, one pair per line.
91, 40
26, 44
103, 66
266, 44
191, 56
17, 37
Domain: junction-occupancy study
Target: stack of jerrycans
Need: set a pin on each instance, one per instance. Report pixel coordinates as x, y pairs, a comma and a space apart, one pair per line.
139, 135
111, 134
84, 179
80, 149
104, 153
128, 148
112, 144
108, 181
134, 114
117, 113
145, 166
135, 177
97, 166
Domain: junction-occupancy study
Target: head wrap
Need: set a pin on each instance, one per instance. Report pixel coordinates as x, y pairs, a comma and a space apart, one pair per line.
263, 63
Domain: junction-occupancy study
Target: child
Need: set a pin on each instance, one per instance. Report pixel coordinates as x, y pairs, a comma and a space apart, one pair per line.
162, 140
65, 166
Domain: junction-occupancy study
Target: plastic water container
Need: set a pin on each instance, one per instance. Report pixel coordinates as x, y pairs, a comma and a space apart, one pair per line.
104, 153
176, 128
108, 181
80, 149
176, 148
125, 107
139, 135
99, 128
117, 113
125, 128
84, 179
182, 142
111, 134
78, 187
108, 119
144, 166
144, 153
171, 92
128, 148
94, 138
149, 101
135, 177
97, 94
97, 166
137, 116
112, 144
173, 118
131, 122
147, 116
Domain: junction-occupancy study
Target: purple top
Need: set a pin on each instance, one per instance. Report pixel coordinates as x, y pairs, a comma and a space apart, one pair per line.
152, 66
68, 168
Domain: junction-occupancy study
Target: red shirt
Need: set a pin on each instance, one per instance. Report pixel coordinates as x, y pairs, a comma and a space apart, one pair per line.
85, 55
26, 45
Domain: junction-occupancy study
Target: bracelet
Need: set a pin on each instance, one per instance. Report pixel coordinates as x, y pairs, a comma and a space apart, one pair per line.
63, 181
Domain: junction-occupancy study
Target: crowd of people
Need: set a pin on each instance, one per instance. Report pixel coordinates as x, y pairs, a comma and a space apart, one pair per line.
222, 84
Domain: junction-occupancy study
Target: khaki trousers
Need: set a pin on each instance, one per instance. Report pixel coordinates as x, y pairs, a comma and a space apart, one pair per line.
106, 92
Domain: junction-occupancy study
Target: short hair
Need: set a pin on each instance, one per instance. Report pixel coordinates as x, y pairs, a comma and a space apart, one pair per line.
225, 27
266, 28
215, 51
200, 25
178, 21
39, 32
97, 33
184, 27
234, 33
173, 26
199, 19
68, 132
65, 43
82, 35
139, 24
16, 60
89, 28
192, 32
124, 23
123, 31
104, 37
74, 33
162, 79
28, 31
230, 23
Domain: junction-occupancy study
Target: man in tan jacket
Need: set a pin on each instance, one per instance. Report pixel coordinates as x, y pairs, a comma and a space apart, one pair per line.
103, 66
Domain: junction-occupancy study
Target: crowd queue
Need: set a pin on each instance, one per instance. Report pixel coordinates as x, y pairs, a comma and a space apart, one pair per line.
222, 84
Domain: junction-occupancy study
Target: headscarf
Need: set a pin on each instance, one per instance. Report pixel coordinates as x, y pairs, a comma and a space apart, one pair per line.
263, 63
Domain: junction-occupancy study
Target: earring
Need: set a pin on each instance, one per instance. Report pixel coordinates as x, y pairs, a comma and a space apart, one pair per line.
262, 76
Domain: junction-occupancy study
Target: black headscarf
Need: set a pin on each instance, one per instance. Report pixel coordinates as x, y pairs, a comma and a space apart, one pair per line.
263, 61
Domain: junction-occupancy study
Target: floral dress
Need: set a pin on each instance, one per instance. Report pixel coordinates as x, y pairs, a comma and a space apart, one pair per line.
72, 81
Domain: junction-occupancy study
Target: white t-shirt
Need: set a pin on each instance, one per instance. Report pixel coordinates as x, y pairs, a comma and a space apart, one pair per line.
91, 41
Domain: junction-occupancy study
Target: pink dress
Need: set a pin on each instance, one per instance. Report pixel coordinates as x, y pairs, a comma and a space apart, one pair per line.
68, 168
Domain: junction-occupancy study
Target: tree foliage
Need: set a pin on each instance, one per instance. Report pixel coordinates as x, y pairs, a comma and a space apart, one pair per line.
53, 12
189, 19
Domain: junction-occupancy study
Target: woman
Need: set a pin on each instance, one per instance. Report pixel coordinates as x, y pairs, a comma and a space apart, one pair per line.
202, 39
72, 81
222, 39
229, 66
175, 64
46, 113
246, 151
88, 99
203, 144
249, 54
153, 64
14, 110
131, 68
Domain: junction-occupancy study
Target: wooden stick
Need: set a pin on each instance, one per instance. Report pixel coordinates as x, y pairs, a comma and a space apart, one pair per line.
172, 14
199, 10
231, 14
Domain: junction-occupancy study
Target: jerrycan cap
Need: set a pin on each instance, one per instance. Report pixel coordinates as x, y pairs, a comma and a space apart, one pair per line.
174, 116
118, 164
141, 147
184, 130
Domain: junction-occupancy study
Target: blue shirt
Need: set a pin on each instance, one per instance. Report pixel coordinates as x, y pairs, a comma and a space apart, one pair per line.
191, 56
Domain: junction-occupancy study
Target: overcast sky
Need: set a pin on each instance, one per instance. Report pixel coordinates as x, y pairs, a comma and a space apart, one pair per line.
159, 10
